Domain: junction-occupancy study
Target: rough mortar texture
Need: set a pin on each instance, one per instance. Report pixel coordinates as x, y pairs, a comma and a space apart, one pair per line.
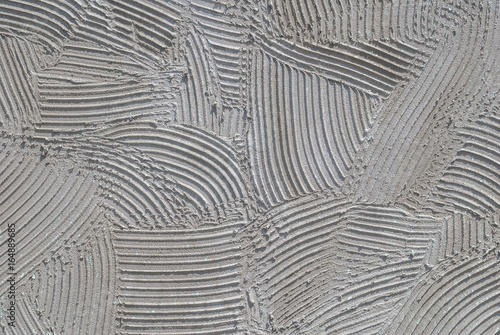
250, 167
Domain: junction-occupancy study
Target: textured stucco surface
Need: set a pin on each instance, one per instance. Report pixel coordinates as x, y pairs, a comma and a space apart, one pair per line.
251, 166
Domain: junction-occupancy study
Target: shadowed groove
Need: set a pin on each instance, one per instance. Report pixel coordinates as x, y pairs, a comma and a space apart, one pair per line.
399, 147
18, 100
289, 156
471, 182
191, 157
50, 201
194, 276
251, 167
381, 250
59, 290
200, 93
326, 22
461, 300
83, 92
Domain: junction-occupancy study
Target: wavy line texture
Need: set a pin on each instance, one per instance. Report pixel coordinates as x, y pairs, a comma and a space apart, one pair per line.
147, 32
45, 21
226, 38
60, 290
471, 183
405, 143
200, 97
376, 68
251, 166
18, 102
78, 77
82, 93
323, 21
291, 108
462, 298
51, 203
202, 169
462, 234
216, 93
303, 245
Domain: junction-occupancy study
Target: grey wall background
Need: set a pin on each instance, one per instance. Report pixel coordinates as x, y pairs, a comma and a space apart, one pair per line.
250, 166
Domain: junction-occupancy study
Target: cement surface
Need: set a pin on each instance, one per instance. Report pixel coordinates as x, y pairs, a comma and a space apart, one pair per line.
250, 167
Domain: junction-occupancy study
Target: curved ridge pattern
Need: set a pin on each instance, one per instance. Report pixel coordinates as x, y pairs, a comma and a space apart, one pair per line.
217, 59
200, 97
50, 204
382, 253
462, 299
472, 182
325, 22
59, 291
18, 100
306, 132
82, 93
402, 143
227, 40
375, 68
462, 233
200, 166
250, 166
